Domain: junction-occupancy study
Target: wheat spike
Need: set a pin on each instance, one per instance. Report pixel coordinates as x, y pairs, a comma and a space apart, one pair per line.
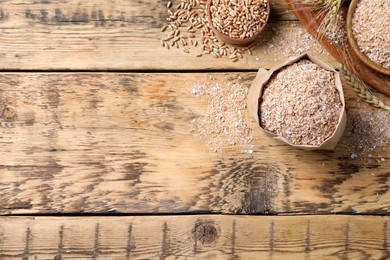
329, 10
313, 2
332, 8
361, 89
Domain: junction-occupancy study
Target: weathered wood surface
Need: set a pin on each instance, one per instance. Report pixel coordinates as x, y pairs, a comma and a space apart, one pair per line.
115, 35
111, 142
198, 237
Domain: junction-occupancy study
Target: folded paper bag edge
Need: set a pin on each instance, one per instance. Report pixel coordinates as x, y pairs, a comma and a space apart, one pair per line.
263, 76
254, 93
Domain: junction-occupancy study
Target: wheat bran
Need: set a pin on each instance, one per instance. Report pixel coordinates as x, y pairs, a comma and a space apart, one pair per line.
336, 32
301, 104
367, 133
225, 122
371, 29
287, 42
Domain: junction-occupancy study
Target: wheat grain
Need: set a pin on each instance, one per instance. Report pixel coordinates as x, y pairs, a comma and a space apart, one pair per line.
252, 46
362, 89
183, 36
238, 19
164, 28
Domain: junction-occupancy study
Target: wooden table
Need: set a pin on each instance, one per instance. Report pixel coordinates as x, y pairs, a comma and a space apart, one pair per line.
99, 158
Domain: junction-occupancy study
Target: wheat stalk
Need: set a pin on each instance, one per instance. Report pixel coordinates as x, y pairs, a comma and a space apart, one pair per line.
329, 12
362, 89
332, 8
313, 2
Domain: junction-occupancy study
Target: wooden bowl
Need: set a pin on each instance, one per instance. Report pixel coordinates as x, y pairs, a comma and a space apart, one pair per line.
228, 39
354, 46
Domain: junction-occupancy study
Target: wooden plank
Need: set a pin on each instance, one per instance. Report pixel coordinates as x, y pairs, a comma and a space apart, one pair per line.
117, 142
123, 35
199, 237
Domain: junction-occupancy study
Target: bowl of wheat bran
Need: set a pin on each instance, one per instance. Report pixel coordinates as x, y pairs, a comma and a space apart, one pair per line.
237, 22
299, 102
368, 31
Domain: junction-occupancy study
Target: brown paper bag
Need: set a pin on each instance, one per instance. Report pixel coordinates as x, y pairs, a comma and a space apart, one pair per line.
261, 80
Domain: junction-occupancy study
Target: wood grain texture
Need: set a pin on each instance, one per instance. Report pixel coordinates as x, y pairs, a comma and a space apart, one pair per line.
112, 142
195, 237
114, 35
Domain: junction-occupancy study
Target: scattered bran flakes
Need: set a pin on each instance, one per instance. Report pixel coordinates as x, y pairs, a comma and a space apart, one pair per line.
301, 104
367, 133
225, 122
337, 33
287, 42
371, 29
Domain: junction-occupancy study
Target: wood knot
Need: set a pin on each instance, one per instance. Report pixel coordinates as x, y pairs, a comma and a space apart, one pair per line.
9, 113
205, 231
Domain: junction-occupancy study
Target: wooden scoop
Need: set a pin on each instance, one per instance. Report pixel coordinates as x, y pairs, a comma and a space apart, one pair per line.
311, 20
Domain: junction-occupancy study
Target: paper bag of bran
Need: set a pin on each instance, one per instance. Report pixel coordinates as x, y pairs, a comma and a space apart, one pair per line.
260, 82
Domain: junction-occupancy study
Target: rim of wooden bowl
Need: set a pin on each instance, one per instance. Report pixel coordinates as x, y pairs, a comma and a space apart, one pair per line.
355, 48
236, 41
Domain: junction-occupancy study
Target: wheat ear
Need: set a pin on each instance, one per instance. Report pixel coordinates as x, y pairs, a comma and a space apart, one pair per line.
361, 89
332, 8
313, 2
329, 10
